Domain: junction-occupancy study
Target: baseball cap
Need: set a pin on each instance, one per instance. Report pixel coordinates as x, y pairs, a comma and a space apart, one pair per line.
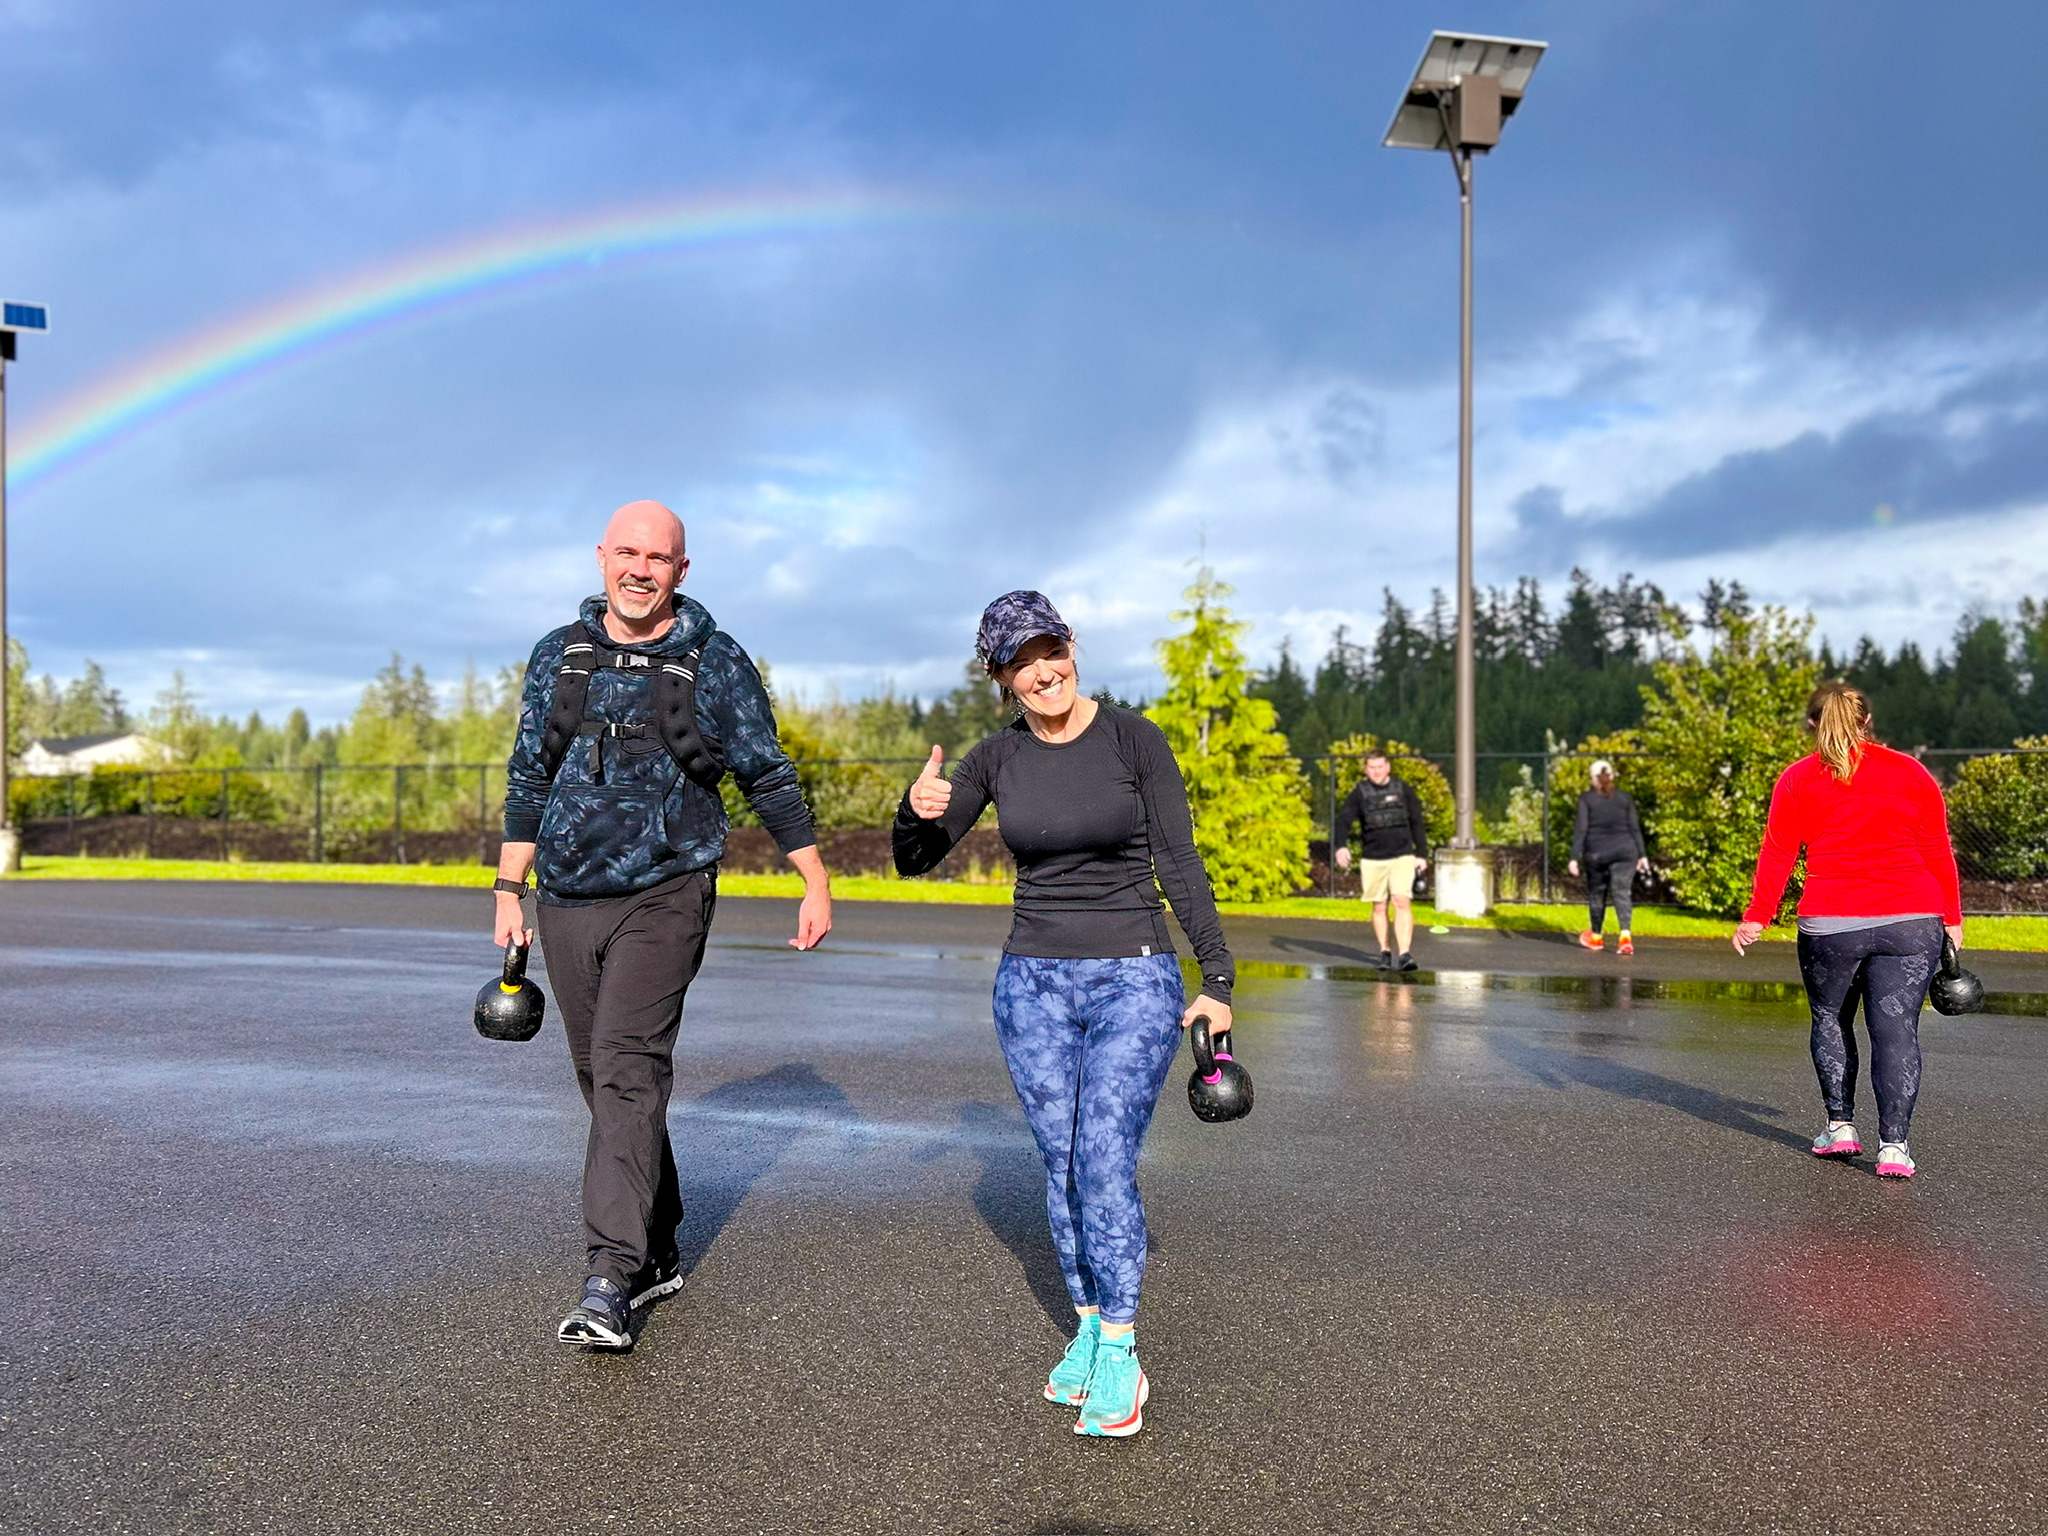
1013, 620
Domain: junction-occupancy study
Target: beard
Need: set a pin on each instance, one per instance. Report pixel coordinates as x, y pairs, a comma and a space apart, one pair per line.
637, 605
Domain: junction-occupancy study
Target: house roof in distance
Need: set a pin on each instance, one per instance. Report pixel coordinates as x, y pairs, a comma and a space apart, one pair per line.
64, 746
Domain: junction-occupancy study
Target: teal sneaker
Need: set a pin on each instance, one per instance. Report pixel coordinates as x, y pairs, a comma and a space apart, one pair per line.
1117, 1390
1068, 1382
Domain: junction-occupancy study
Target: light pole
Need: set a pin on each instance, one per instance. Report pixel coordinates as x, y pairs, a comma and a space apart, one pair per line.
13, 318
1463, 90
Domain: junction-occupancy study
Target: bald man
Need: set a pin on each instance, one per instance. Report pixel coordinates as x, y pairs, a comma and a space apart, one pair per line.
631, 716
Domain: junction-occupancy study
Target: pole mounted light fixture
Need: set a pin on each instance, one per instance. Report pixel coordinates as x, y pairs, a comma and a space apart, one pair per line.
14, 319
1463, 92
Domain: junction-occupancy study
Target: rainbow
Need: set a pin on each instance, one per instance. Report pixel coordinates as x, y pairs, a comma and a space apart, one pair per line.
415, 287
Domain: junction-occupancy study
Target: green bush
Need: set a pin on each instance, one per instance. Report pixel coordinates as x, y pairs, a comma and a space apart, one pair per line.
1998, 813
1718, 730
1571, 775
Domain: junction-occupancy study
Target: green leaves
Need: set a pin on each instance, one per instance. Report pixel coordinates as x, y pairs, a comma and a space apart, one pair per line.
1248, 796
1718, 729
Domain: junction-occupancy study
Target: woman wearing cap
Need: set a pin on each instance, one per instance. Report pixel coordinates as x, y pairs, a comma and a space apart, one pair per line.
1607, 839
1880, 889
1089, 1006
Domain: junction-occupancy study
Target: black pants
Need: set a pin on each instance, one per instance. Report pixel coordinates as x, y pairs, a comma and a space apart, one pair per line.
1618, 877
1888, 969
619, 969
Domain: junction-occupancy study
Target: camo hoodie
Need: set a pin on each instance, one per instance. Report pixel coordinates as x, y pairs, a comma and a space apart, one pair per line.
643, 822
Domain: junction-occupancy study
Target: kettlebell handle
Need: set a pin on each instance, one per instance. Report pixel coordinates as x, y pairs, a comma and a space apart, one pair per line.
1209, 1049
515, 962
1951, 961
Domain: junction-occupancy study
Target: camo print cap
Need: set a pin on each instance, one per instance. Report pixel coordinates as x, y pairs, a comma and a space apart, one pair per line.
1013, 620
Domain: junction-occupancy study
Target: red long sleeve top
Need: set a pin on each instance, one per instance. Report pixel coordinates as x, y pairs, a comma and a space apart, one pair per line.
1876, 846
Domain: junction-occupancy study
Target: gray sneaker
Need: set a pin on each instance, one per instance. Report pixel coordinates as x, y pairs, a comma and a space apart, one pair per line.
602, 1320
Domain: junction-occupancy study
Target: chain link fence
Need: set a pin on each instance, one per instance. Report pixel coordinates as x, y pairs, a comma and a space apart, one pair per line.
452, 814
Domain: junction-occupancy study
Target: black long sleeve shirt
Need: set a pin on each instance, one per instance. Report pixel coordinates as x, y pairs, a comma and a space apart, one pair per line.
1607, 830
1392, 817
1090, 822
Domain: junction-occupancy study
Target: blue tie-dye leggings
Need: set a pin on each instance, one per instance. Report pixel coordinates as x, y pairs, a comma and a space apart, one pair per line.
1089, 1043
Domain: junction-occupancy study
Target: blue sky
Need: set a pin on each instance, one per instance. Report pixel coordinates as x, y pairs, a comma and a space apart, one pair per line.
1759, 296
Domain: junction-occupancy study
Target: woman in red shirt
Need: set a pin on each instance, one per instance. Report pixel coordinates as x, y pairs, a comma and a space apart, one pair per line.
1880, 889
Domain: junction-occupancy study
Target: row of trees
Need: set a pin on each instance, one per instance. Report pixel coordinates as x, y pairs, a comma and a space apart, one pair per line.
1708, 703
1543, 677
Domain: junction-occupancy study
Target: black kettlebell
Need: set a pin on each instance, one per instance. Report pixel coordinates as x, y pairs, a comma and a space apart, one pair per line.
512, 1007
1955, 990
1220, 1089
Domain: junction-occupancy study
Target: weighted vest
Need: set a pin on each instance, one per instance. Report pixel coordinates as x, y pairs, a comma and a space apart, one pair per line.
1386, 805
674, 683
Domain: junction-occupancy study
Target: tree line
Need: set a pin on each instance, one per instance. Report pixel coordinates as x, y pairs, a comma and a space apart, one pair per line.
1545, 675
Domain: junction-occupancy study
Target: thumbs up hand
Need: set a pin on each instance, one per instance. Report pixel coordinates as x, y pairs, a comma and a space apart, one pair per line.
930, 795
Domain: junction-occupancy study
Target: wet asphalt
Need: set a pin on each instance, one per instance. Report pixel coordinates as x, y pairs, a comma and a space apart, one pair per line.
1524, 1242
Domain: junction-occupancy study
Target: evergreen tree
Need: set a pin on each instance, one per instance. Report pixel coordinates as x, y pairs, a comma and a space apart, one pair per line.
1983, 685
24, 721
175, 722
1581, 631
395, 722
2033, 651
1249, 799
1286, 689
89, 706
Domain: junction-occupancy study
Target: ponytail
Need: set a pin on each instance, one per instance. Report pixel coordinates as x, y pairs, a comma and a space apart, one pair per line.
1839, 717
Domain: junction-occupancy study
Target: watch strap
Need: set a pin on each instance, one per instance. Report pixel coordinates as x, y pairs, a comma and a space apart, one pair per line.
510, 887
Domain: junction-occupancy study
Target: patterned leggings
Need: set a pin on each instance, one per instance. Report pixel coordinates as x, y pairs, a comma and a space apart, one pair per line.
1618, 878
1888, 968
1089, 1044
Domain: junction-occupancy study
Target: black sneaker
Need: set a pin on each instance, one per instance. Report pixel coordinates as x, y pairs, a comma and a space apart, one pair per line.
603, 1320
1407, 962
658, 1278
1386, 960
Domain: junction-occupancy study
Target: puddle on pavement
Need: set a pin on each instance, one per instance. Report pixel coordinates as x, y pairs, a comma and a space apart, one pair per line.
1603, 991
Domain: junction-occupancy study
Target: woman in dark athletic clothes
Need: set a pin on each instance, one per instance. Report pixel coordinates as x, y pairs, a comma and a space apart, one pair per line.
1880, 889
1088, 997
1607, 838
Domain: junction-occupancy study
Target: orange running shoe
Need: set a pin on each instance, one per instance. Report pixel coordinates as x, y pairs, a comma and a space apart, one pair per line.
1628, 946
1591, 940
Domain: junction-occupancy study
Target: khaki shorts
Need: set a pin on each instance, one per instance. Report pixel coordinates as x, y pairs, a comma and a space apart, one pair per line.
1379, 879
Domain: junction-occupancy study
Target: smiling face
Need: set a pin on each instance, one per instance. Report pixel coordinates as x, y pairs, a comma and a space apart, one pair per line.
1042, 676
1378, 769
642, 560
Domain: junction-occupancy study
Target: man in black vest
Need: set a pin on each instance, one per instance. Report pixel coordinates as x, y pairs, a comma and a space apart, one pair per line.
1394, 844
630, 717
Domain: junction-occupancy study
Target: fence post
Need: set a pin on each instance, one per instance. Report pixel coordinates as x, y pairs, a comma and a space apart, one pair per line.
71, 811
483, 812
398, 813
1545, 883
1330, 858
319, 824
223, 815
149, 815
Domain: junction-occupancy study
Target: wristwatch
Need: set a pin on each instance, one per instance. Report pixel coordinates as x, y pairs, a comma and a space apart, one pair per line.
510, 887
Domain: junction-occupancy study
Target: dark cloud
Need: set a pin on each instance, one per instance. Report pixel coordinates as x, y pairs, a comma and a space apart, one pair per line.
1894, 469
1174, 207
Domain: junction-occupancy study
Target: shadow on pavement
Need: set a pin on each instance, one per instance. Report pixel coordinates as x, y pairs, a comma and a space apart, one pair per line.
1287, 944
723, 1156
1555, 1069
1009, 1197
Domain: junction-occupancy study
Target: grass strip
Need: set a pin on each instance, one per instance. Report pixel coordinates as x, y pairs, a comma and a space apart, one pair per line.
2020, 934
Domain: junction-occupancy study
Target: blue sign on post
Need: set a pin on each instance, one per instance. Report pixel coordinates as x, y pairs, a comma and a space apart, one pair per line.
23, 317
